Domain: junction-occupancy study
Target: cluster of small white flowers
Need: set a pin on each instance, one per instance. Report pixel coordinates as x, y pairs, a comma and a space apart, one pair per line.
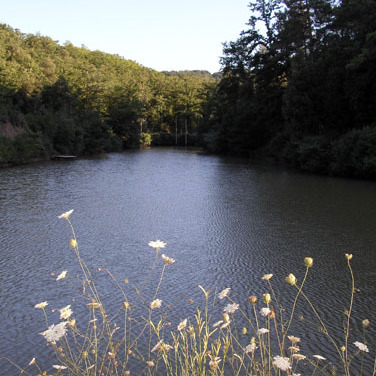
282, 363
265, 311
157, 244
231, 308
55, 332
41, 305
250, 348
361, 346
156, 303
224, 293
167, 260
161, 346
65, 312
182, 325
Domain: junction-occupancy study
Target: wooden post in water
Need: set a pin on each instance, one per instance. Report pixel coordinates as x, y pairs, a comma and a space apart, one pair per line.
176, 131
186, 131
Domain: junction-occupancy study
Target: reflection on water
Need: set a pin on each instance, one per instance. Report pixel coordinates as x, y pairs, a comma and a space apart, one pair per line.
227, 222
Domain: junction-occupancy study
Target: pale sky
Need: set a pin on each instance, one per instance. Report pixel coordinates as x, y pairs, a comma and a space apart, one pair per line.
158, 34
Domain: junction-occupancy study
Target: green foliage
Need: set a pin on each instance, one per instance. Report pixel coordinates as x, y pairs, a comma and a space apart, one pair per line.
300, 78
85, 102
355, 154
145, 139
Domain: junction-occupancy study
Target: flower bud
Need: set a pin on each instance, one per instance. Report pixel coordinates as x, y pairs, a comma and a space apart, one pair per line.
244, 331
126, 305
365, 323
252, 299
343, 348
225, 317
308, 262
267, 298
73, 243
348, 256
291, 279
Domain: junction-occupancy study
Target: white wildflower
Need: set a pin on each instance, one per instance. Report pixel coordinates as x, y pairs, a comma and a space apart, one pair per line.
167, 260
41, 305
361, 346
182, 325
33, 361
156, 303
294, 349
66, 214
266, 277
65, 312
319, 357
161, 346
262, 331
265, 311
62, 275
59, 367
282, 363
55, 332
299, 356
293, 339
157, 244
224, 293
250, 348
231, 308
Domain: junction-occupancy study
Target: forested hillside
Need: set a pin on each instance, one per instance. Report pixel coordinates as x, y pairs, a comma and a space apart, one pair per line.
63, 99
299, 85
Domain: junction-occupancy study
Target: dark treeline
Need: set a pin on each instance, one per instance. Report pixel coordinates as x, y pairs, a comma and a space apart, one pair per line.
299, 86
58, 99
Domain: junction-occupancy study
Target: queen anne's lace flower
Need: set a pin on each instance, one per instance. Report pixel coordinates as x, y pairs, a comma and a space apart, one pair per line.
224, 293
231, 308
266, 277
265, 311
361, 346
41, 305
157, 244
59, 367
62, 275
65, 312
156, 303
182, 325
282, 363
293, 339
319, 357
66, 214
250, 348
55, 332
161, 346
299, 356
167, 260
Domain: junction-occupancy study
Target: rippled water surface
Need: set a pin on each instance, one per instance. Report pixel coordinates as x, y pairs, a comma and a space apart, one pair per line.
227, 222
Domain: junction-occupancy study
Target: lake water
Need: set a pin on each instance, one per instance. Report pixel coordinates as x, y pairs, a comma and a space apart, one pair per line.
226, 221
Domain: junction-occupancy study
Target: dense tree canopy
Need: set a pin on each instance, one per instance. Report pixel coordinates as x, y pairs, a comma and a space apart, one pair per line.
64, 99
299, 85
